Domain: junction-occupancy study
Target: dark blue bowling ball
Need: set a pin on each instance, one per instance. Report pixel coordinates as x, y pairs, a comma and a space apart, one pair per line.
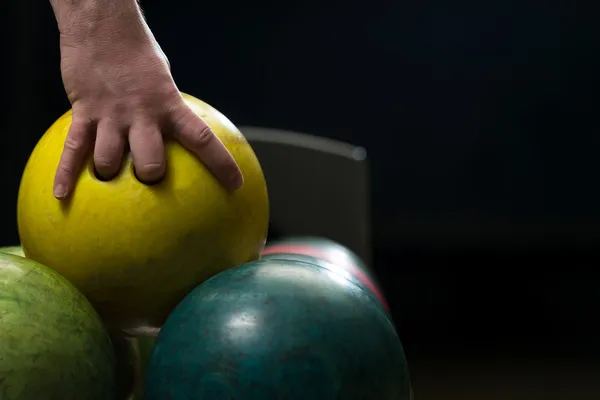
278, 329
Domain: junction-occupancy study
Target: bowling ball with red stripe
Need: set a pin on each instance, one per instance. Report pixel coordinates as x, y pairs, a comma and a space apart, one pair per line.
331, 252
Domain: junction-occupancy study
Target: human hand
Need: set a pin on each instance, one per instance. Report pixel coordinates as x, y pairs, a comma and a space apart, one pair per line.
122, 93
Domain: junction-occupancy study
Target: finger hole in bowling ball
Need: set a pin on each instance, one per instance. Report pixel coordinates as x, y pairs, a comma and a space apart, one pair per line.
147, 182
94, 172
100, 177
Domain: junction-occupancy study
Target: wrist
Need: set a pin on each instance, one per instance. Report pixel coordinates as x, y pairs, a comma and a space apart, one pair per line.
84, 18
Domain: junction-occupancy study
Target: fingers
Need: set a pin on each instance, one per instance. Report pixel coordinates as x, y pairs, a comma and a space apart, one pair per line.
148, 152
194, 134
76, 148
109, 149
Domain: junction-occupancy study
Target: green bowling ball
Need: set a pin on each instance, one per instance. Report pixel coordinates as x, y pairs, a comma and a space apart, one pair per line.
53, 344
278, 329
14, 250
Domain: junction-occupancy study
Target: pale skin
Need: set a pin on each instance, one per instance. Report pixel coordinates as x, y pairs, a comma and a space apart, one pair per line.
123, 96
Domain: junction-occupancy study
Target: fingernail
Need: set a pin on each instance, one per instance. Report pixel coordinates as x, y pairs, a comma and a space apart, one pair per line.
60, 191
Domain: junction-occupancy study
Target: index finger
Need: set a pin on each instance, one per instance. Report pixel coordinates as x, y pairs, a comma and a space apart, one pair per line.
194, 134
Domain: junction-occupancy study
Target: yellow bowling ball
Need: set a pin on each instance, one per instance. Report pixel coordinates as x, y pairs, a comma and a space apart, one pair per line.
135, 250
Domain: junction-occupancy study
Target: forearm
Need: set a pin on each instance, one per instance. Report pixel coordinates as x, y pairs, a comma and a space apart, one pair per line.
96, 17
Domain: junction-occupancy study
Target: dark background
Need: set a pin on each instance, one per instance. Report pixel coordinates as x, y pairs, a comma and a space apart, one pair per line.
480, 119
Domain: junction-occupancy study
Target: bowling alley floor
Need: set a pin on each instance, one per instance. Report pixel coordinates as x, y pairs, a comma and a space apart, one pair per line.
506, 381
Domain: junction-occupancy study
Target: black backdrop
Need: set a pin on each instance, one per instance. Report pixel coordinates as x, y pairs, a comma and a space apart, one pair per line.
479, 119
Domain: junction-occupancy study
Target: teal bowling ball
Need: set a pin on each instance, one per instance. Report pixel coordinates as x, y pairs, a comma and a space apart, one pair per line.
278, 329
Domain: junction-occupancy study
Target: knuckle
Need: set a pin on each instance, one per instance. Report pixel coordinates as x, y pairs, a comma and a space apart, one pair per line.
202, 135
182, 119
151, 170
74, 143
104, 163
119, 109
189, 127
64, 169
